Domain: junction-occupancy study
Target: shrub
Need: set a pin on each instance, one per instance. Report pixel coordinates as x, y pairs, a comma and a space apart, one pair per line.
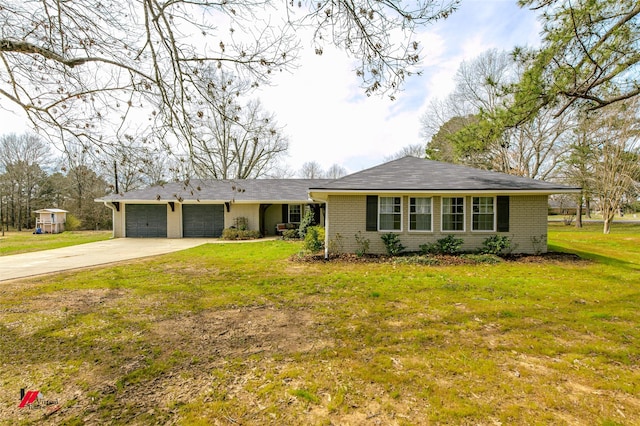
307, 221
363, 244
290, 234
496, 244
336, 245
446, 245
314, 238
392, 244
240, 234
539, 243
72, 223
241, 223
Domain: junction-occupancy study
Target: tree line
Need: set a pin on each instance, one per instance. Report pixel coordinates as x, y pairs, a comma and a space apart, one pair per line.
33, 175
568, 111
28, 183
137, 82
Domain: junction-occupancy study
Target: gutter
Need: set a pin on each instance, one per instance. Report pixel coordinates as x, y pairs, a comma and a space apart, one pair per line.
440, 192
113, 217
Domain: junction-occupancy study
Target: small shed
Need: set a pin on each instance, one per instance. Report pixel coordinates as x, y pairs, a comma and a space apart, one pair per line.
50, 221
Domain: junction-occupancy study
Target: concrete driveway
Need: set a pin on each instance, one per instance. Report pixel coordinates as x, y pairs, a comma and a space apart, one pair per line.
91, 254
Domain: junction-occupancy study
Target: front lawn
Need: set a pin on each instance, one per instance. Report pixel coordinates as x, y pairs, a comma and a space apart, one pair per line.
14, 242
241, 334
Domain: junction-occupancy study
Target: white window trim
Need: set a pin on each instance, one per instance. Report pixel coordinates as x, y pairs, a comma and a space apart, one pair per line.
401, 213
464, 215
495, 215
419, 231
289, 212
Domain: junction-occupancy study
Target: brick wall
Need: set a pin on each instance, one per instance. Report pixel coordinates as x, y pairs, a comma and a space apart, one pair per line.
347, 214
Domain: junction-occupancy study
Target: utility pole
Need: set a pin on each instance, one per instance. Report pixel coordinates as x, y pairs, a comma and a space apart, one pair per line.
1, 215
115, 172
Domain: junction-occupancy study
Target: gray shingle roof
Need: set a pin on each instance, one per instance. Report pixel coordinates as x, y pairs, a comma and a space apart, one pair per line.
404, 174
249, 190
416, 174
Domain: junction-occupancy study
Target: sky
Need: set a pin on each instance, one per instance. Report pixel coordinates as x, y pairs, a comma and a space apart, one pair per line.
328, 119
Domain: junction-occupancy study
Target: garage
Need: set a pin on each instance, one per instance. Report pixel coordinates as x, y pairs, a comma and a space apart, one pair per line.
200, 220
146, 220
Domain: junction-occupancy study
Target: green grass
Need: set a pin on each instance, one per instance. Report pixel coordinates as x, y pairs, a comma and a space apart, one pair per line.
243, 334
24, 242
620, 247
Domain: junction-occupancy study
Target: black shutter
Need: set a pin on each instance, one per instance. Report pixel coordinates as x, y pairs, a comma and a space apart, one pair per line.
503, 214
372, 212
285, 213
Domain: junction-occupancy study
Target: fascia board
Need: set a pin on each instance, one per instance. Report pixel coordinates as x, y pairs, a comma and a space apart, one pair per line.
325, 194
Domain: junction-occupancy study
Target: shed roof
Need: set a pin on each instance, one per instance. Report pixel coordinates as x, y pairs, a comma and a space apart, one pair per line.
51, 211
416, 174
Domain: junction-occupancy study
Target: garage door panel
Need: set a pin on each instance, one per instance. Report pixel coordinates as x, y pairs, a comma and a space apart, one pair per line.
146, 220
202, 220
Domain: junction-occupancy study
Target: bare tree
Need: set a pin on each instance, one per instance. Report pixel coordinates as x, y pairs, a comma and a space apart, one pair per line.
83, 70
538, 147
476, 131
21, 161
234, 140
281, 171
311, 170
85, 185
578, 166
129, 167
414, 150
449, 125
335, 171
617, 167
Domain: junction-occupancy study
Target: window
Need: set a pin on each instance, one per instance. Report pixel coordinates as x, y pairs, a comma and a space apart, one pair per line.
483, 216
453, 213
419, 214
390, 214
295, 213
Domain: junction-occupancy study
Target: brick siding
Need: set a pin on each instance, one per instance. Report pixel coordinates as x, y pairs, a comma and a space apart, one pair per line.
347, 217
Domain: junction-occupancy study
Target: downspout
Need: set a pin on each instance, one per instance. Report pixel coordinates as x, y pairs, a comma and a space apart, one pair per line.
326, 225
113, 218
326, 230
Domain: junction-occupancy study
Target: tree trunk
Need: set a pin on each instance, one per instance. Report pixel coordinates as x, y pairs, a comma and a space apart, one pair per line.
579, 214
607, 216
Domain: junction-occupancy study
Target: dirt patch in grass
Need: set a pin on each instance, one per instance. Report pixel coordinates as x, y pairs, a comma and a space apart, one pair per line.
241, 331
550, 257
166, 364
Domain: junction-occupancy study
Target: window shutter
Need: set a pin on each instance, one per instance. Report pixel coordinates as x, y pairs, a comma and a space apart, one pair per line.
503, 214
316, 214
285, 213
372, 212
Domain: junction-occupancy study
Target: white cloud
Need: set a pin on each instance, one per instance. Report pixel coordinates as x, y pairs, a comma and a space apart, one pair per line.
328, 120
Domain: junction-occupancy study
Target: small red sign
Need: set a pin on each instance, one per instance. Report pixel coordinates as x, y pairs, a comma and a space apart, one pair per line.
29, 398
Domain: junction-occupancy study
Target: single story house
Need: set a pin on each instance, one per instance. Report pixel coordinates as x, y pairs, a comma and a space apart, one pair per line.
420, 200
423, 201
563, 204
50, 221
203, 208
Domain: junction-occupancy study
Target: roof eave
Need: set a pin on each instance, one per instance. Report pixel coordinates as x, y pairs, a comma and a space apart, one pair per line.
201, 201
320, 193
